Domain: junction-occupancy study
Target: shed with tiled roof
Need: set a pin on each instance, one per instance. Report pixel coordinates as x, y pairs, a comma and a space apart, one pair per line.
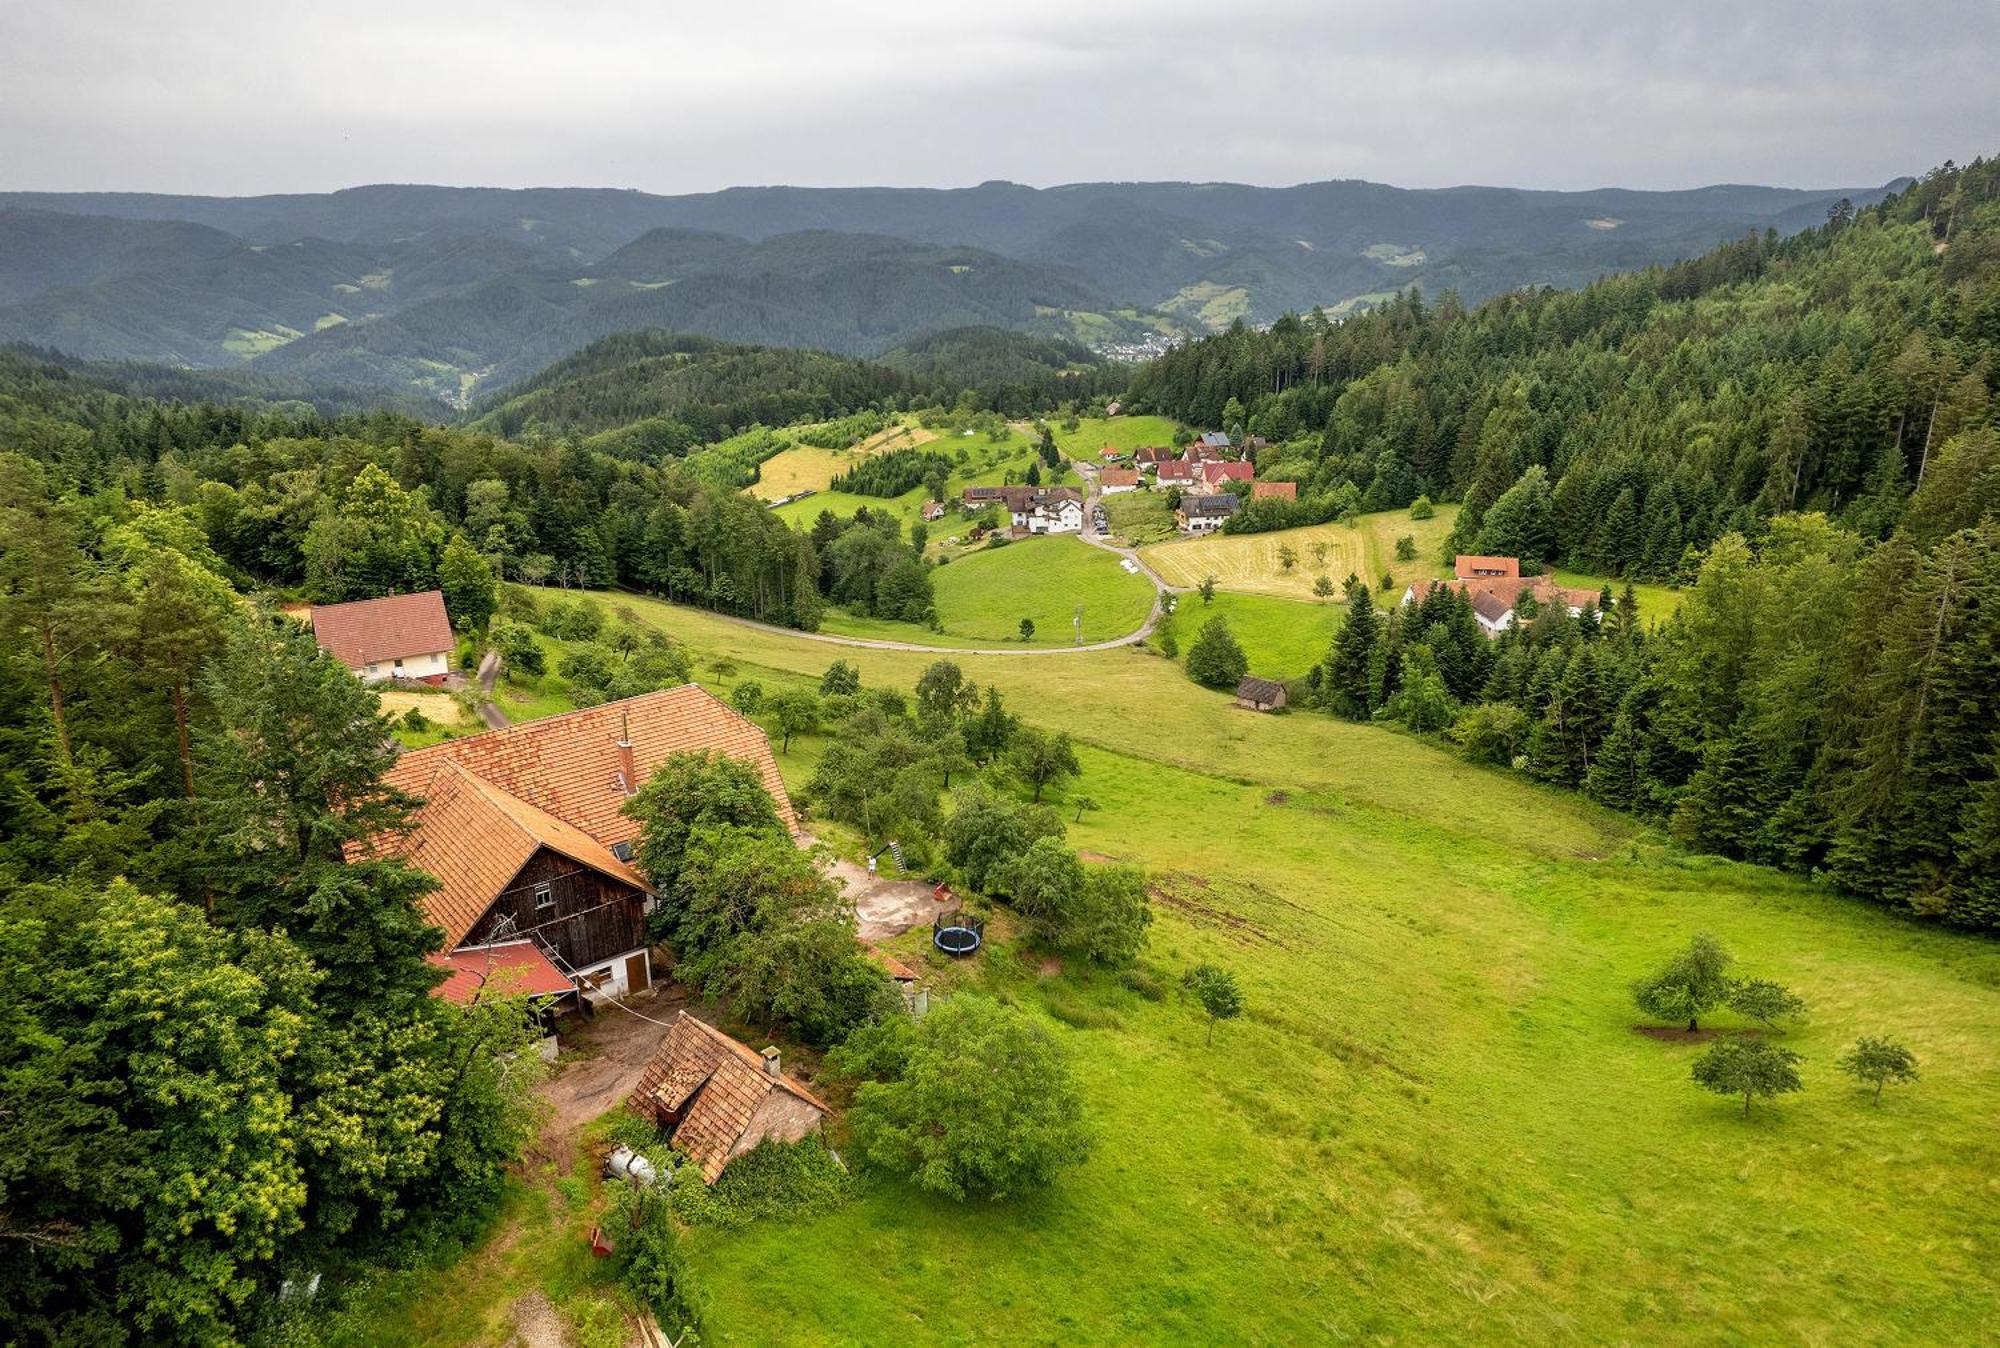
720, 1098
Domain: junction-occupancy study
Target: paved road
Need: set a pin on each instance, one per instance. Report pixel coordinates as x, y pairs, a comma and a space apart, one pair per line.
489, 711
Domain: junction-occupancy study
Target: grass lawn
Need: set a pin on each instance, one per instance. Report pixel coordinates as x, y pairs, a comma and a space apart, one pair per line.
1093, 434
1251, 562
448, 719
1435, 1121
983, 595
1139, 517
1283, 637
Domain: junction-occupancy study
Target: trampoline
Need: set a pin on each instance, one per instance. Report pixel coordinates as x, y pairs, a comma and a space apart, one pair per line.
957, 934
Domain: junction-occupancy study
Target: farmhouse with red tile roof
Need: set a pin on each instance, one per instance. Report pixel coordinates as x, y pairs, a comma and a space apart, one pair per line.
523, 829
400, 636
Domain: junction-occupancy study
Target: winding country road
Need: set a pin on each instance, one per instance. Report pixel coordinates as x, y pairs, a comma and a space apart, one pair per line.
1161, 590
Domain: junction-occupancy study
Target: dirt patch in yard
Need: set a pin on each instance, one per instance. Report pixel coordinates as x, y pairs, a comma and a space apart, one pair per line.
613, 1050
1680, 1034
1194, 896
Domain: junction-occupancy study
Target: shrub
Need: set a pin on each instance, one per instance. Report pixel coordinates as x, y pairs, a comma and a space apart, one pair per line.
748, 697
774, 1179
415, 721
1422, 509
641, 1227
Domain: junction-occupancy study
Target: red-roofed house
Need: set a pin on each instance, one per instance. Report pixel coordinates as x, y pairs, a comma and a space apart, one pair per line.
1151, 456
720, 1098
523, 829
1274, 491
1176, 473
1110, 481
400, 636
510, 969
1481, 568
1215, 474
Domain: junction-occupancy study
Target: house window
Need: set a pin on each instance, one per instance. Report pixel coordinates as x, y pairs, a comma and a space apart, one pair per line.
399, 664
545, 896
623, 851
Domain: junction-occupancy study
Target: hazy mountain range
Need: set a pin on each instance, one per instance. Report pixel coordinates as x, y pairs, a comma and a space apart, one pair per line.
451, 289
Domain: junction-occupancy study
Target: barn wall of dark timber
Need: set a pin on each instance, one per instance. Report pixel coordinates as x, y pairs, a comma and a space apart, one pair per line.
595, 917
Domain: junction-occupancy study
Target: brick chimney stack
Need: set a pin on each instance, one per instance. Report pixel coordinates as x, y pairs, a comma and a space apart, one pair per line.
771, 1061
628, 770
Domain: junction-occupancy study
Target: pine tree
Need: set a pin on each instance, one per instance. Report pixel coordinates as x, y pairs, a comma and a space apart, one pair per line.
1346, 687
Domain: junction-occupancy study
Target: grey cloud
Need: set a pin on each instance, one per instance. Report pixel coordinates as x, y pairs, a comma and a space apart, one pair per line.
239, 96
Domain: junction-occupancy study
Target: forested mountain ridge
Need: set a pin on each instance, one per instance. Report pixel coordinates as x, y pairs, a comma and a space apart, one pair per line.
668, 392
1616, 427
439, 288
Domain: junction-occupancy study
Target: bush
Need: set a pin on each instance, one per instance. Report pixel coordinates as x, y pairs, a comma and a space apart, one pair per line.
748, 697
519, 651
1422, 509
641, 1226
1144, 983
1494, 732
774, 1179
415, 721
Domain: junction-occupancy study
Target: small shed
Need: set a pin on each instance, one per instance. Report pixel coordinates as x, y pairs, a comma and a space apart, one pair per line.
719, 1098
1260, 694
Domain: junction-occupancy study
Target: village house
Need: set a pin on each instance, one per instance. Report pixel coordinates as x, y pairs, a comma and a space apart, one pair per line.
1204, 514
719, 1099
1274, 491
1032, 510
1213, 475
1111, 481
1152, 456
1260, 694
1495, 586
400, 636
1175, 473
523, 829
933, 510
1217, 440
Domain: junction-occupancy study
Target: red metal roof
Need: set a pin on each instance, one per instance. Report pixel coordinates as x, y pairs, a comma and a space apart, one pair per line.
518, 968
391, 628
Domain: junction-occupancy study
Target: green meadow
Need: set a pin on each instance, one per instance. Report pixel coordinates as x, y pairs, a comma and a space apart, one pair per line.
1436, 1120
983, 595
979, 460
1125, 434
1283, 637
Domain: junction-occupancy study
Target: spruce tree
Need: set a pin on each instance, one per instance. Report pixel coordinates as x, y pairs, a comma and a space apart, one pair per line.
1346, 687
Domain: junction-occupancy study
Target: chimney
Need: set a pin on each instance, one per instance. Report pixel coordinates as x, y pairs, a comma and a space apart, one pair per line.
628, 772
771, 1061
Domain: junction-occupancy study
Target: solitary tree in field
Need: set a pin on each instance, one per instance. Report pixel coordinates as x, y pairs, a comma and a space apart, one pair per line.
1207, 588
1083, 803
1288, 556
1750, 1068
1318, 551
840, 679
1215, 989
1878, 1063
1766, 1002
1693, 983
1323, 587
1215, 660
1406, 548
1027, 629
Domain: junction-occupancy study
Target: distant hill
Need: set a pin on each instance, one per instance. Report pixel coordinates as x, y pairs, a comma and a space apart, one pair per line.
455, 290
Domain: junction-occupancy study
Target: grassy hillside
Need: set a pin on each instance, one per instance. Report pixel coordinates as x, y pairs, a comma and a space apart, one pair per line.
1436, 1121
983, 595
1251, 562
1283, 637
980, 460
1093, 434
810, 468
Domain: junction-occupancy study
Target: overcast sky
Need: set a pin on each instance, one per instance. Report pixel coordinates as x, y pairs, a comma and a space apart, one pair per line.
246, 96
